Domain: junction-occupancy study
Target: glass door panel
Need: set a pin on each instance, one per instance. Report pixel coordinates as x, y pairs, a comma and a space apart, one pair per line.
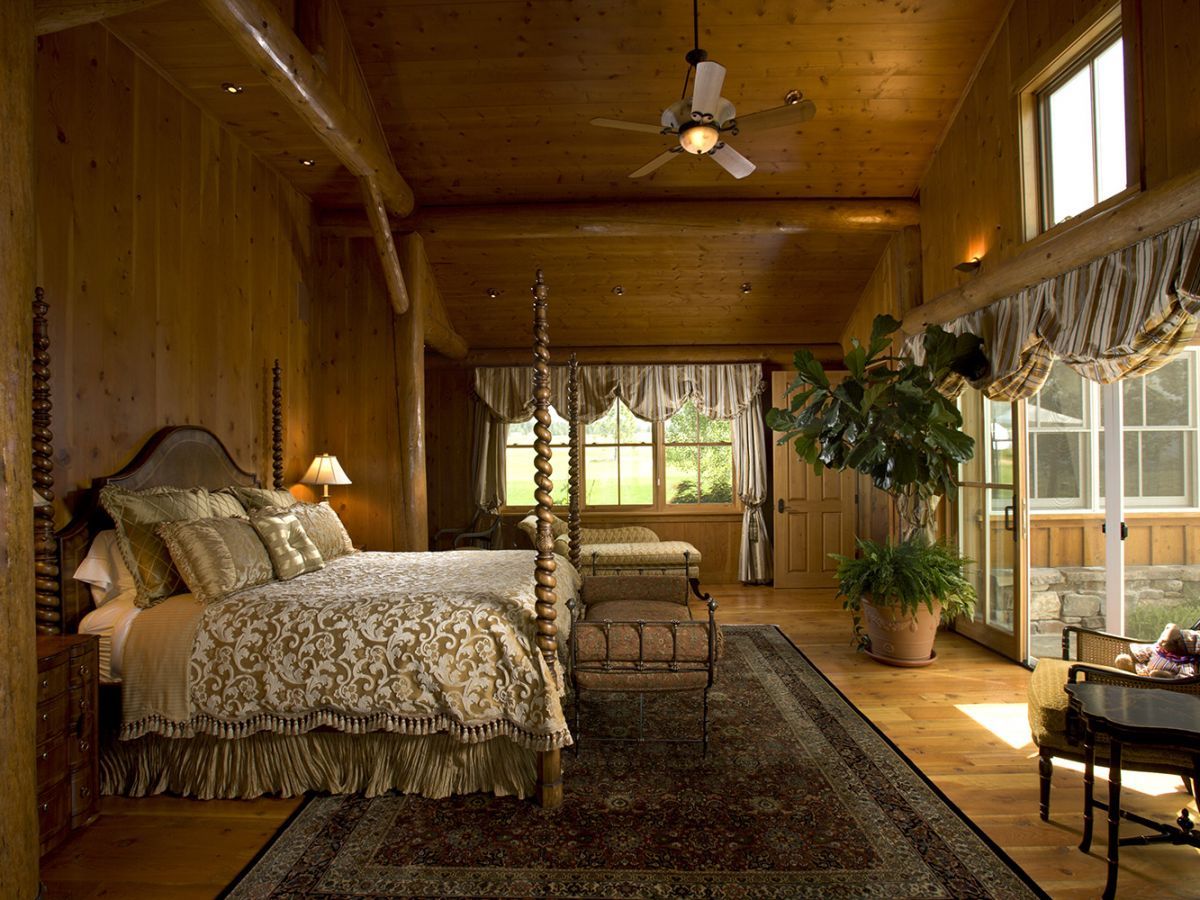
1162, 524
989, 525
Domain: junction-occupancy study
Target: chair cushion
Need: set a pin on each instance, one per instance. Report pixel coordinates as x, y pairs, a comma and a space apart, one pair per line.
662, 588
661, 640
1048, 721
645, 555
629, 534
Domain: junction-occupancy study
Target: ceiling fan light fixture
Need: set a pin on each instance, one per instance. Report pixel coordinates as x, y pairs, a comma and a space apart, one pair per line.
698, 137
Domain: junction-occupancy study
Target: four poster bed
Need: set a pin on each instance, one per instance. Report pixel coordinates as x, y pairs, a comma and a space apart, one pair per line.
437, 673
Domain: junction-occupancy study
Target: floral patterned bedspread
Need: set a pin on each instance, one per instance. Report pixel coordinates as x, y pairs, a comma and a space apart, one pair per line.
413, 643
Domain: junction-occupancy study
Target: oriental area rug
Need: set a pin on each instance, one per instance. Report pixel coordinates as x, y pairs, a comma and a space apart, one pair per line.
799, 796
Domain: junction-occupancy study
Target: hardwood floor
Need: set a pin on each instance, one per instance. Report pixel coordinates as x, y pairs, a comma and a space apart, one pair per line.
166, 847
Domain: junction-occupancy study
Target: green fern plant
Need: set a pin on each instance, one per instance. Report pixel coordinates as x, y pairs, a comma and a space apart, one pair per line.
908, 575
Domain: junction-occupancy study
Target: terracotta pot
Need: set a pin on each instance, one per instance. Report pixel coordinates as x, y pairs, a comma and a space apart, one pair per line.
899, 639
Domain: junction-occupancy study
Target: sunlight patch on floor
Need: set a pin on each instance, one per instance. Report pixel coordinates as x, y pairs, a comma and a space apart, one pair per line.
1010, 723
1007, 721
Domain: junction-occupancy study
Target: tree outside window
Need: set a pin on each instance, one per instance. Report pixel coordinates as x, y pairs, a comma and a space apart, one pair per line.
699, 458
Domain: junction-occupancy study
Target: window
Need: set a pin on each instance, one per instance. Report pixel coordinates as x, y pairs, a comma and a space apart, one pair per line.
618, 460
518, 462
1159, 431
684, 463
699, 456
1081, 130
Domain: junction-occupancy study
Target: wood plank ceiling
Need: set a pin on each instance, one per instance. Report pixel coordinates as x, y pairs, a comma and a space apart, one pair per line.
488, 102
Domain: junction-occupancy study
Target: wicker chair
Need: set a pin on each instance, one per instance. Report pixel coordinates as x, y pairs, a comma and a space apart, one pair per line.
1088, 655
637, 635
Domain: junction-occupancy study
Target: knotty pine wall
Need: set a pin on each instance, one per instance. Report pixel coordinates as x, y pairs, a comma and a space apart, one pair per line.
173, 261
355, 401
971, 194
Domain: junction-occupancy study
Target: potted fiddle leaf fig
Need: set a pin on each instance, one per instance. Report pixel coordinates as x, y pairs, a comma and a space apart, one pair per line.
888, 419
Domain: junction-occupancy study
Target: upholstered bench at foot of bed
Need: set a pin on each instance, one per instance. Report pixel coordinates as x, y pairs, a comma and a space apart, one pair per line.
637, 634
657, 558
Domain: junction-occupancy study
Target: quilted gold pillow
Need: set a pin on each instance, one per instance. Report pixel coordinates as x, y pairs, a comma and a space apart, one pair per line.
291, 551
223, 504
217, 556
324, 528
253, 498
136, 514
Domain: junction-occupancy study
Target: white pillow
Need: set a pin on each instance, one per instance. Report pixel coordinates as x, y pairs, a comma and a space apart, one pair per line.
104, 569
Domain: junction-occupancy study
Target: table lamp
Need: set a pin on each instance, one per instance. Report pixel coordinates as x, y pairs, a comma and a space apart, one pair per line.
326, 470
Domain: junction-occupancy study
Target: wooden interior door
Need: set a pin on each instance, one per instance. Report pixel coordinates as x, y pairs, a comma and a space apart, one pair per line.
814, 514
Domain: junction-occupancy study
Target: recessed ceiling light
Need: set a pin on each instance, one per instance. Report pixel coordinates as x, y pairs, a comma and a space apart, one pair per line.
230, 88
745, 287
308, 163
792, 97
618, 290
493, 293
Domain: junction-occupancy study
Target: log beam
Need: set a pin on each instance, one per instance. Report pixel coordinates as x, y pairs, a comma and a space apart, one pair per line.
423, 292
260, 31
385, 246
781, 354
50, 16
681, 218
1141, 216
18, 662
413, 517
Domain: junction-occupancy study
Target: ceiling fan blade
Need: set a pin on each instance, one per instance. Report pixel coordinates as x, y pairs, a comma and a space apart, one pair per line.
731, 161
710, 77
628, 126
661, 160
778, 117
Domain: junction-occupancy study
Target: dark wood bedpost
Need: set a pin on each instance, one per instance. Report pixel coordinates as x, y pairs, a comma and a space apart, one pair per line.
549, 762
277, 426
45, 547
573, 542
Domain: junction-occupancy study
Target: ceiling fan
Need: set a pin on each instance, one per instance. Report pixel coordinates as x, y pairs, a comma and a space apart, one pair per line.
700, 120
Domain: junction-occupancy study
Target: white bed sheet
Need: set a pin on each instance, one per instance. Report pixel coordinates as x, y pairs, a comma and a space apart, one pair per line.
111, 623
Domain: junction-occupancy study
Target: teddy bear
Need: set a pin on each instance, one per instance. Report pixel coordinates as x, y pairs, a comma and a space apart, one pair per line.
1176, 654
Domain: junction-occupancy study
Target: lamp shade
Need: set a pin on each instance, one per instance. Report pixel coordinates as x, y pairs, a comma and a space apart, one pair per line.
326, 469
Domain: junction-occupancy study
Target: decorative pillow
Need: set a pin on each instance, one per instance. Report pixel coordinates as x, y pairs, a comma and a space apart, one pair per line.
226, 505
104, 570
253, 498
558, 527
291, 551
136, 513
217, 556
324, 528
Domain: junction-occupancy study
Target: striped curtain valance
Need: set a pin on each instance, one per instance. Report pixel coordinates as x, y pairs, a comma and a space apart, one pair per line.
1122, 315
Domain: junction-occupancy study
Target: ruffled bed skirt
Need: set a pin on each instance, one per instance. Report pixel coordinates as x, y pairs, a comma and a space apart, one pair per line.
211, 768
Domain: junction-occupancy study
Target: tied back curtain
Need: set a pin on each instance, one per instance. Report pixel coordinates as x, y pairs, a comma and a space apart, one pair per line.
654, 393
1122, 315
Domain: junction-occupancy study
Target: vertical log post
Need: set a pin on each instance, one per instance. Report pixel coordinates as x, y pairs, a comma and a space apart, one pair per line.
45, 549
410, 396
18, 661
573, 541
277, 426
549, 763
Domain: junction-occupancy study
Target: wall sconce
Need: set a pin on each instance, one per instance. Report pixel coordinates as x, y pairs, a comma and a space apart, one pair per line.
970, 265
326, 470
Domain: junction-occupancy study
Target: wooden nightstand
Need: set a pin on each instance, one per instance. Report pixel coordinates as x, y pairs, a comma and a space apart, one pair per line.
68, 774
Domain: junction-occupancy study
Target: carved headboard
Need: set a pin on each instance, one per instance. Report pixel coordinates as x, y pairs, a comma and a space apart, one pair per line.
179, 456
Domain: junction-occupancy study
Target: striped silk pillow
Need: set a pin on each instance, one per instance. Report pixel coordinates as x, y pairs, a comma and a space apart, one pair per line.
291, 551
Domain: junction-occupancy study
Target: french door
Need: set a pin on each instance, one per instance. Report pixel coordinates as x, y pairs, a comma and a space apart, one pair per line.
988, 519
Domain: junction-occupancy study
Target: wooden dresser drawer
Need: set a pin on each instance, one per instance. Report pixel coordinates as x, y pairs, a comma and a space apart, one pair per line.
84, 802
51, 761
81, 667
79, 702
54, 813
51, 682
79, 746
51, 718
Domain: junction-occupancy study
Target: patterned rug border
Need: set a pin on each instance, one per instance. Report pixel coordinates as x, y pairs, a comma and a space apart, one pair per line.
979, 833
941, 795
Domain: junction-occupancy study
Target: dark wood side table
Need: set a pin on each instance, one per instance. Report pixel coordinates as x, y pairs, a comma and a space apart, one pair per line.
67, 761
1144, 717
